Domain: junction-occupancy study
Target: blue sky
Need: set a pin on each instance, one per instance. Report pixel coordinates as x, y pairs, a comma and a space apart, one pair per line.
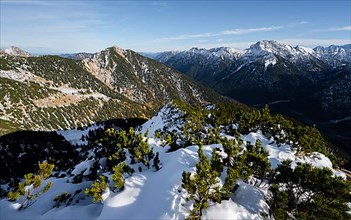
74, 26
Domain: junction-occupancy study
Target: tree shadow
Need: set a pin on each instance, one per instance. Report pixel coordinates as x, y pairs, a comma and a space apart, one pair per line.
21, 151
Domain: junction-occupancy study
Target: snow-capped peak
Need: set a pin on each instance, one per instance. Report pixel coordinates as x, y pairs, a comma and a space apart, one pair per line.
270, 49
305, 50
198, 50
269, 46
15, 51
218, 52
226, 52
334, 55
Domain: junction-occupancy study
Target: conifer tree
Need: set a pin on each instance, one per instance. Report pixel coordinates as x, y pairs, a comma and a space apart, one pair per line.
202, 186
143, 153
169, 138
146, 133
158, 134
97, 188
233, 174
308, 192
256, 161
30, 187
216, 161
117, 176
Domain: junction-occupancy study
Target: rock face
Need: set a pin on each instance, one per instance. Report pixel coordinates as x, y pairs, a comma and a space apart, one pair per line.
52, 92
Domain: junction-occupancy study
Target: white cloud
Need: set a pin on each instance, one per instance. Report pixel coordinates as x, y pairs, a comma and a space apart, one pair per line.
345, 28
216, 34
294, 24
241, 45
249, 30
237, 31
186, 37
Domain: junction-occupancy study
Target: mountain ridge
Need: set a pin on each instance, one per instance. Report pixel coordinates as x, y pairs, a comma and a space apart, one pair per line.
53, 92
16, 51
343, 51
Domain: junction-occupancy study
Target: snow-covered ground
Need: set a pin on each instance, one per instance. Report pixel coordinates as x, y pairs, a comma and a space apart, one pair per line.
74, 136
154, 194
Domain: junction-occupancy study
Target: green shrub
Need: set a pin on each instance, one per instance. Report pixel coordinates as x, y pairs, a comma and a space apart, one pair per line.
202, 186
117, 176
30, 187
307, 192
97, 188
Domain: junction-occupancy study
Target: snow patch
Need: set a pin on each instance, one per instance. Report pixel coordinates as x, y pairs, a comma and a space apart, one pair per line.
269, 62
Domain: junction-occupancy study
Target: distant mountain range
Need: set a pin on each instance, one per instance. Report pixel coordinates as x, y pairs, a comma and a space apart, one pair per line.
311, 85
333, 55
269, 71
52, 92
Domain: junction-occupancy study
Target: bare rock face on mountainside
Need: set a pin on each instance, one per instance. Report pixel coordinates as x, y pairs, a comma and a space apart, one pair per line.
52, 92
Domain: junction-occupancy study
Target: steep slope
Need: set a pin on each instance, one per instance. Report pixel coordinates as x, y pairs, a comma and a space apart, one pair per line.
45, 93
51, 92
204, 66
141, 79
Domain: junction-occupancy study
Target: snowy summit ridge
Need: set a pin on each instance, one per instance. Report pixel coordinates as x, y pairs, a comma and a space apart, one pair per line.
159, 193
16, 51
261, 48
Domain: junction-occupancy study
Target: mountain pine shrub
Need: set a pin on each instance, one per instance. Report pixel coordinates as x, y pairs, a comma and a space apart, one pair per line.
307, 192
117, 176
202, 186
97, 188
29, 189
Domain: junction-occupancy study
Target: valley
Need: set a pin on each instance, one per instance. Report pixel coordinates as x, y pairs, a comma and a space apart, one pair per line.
310, 85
